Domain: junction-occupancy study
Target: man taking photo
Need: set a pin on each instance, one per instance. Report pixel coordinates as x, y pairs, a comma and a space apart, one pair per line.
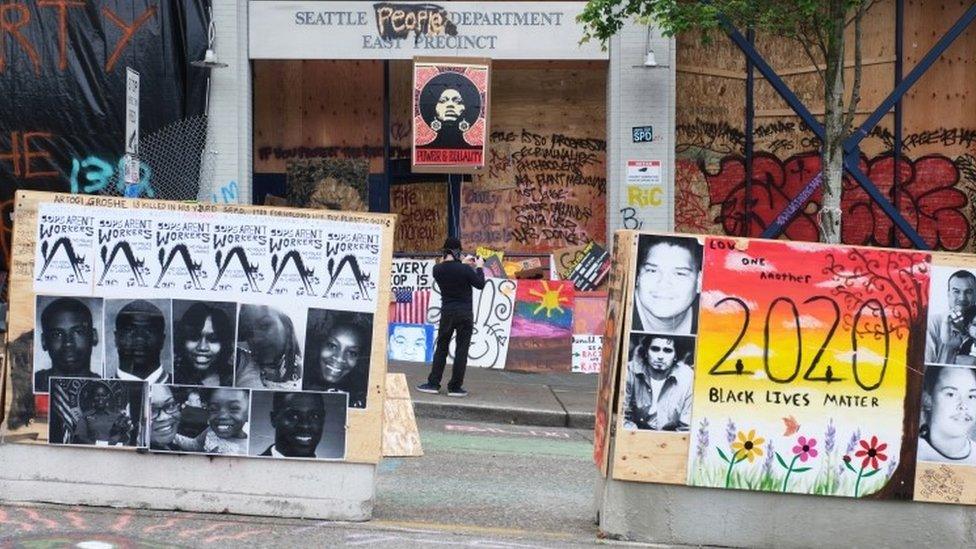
456, 280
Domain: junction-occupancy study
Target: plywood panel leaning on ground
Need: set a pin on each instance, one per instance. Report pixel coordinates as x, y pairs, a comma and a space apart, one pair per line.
363, 443
400, 435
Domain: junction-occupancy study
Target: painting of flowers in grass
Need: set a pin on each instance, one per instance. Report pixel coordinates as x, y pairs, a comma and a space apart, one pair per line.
801, 368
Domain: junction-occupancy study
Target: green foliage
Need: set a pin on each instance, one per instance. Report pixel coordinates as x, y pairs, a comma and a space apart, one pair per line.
799, 19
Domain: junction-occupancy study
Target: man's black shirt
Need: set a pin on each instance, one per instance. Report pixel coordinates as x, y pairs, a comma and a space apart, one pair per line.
456, 280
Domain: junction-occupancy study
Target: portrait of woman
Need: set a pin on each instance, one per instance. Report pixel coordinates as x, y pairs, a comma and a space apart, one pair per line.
948, 415
203, 343
337, 353
450, 104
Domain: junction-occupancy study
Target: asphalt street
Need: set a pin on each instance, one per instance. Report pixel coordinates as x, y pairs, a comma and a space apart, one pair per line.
478, 485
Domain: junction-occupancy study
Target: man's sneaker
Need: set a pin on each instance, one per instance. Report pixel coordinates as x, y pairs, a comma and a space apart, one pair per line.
457, 393
428, 388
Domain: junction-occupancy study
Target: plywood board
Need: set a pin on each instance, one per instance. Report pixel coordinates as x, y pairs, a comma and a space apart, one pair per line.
400, 435
364, 425
616, 320
308, 109
422, 222
545, 185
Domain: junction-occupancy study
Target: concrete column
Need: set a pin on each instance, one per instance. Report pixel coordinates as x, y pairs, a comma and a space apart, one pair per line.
230, 120
251, 486
640, 96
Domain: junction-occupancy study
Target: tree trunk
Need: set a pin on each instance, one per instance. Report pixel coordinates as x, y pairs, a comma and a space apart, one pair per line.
833, 147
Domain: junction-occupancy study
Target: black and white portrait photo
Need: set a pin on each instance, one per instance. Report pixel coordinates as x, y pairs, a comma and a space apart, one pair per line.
668, 282
203, 420
269, 348
660, 379
68, 340
308, 425
951, 330
138, 340
948, 422
337, 353
100, 412
204, 338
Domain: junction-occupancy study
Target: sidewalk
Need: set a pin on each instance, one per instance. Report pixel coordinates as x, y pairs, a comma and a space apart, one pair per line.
500, 396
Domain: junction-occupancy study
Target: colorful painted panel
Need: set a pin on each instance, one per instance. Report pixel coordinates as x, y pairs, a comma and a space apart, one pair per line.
801, 384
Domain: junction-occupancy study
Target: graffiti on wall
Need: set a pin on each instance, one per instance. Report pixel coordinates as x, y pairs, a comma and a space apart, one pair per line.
936, 193
541, 192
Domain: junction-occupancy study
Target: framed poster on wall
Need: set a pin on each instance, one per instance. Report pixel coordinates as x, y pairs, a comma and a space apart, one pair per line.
450, 114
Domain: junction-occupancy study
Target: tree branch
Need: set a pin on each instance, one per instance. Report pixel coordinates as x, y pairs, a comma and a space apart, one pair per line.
858, 68
866, 5
816, 65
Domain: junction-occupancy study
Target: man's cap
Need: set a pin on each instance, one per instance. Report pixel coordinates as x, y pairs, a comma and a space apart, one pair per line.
452, 243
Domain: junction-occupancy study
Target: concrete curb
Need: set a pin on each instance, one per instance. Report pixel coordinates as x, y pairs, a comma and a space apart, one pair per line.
453, 409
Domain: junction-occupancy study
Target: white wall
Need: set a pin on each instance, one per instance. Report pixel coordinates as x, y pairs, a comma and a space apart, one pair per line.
229, 134
640, 96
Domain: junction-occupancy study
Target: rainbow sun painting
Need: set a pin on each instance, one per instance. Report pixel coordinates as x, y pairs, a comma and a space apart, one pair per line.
543, 309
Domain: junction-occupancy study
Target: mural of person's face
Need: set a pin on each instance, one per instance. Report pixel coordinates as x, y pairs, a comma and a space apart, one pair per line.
661, 354
962, 293
409, 343
340, 353
139, 338
166, 416
299, 424
204, 349
68, 340
101, 398
953, 403
450, 105
667, 281
227, 412
268, 338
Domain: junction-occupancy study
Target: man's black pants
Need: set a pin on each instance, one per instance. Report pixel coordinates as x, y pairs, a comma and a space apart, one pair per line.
461, 322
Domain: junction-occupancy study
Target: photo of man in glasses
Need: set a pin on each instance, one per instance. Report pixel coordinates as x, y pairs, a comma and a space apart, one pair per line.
660, 379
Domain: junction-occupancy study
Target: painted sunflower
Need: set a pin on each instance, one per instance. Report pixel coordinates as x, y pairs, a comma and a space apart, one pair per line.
748, 446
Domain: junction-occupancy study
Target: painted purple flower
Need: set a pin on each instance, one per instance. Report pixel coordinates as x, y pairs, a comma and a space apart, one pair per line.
702, 438
805, 448
829, 438
730, 431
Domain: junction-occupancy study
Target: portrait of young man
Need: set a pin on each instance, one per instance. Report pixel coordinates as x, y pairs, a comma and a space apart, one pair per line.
68, 339
668, 282
298, 424
140, 345
660, 380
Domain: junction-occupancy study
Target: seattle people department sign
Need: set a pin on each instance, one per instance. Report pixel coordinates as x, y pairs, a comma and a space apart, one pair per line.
402, 30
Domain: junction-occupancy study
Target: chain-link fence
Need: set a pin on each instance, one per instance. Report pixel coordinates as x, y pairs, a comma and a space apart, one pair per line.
175, 163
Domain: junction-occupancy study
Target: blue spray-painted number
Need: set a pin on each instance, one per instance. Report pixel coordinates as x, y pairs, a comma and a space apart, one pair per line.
93, 175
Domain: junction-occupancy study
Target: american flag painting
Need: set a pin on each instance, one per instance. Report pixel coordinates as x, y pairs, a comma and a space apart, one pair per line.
410, 306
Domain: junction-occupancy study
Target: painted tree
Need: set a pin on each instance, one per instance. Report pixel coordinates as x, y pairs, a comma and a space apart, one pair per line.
817, 25
894, 286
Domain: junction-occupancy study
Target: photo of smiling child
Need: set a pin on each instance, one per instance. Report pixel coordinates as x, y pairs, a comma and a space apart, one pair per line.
225, 431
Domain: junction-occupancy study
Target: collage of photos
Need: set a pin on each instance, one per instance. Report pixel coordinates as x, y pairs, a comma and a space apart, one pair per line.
661, 356
947, 427
198, 376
